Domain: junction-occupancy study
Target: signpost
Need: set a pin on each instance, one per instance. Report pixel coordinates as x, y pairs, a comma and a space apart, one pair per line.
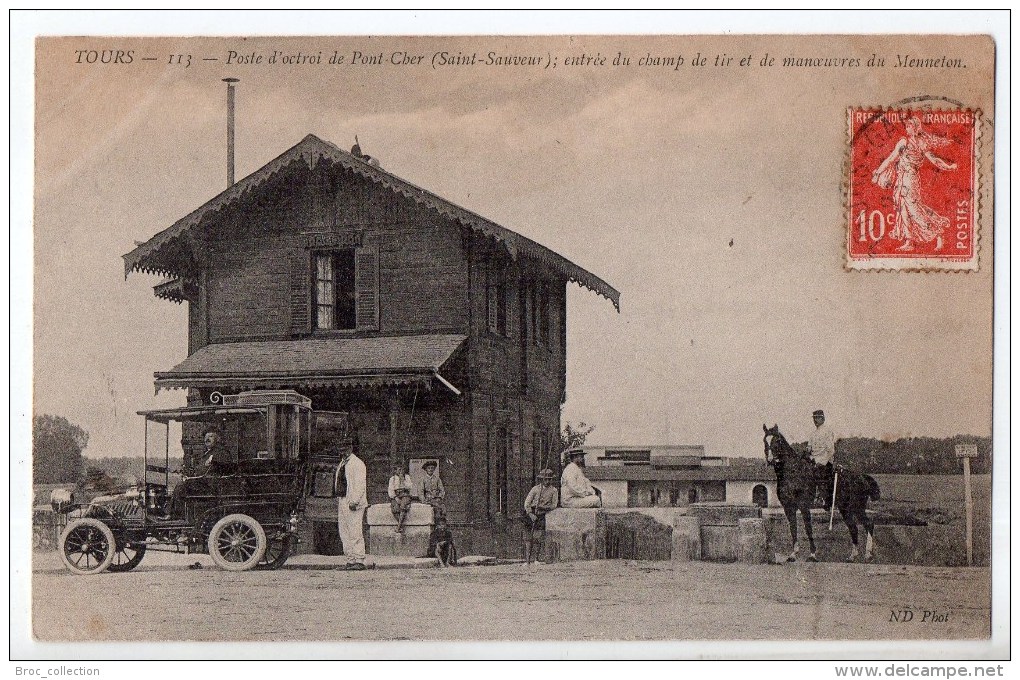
966, 452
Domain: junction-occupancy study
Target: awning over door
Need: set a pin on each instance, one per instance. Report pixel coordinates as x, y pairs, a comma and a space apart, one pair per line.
316, 362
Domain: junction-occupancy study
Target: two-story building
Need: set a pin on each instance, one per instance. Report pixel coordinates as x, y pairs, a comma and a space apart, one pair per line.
442, 333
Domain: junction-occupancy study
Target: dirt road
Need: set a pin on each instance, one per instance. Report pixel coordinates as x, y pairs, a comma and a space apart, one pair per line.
622, 600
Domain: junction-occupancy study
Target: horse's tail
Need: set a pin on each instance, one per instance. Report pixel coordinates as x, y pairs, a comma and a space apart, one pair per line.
874, 493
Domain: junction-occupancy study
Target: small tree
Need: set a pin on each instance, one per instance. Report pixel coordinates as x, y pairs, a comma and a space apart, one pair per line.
574, 435
57, 445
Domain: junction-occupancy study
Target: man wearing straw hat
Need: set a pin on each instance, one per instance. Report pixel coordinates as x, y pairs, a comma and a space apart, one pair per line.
542, 499
577, 490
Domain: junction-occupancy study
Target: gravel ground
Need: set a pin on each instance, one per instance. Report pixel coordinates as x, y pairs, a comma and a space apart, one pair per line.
615, 600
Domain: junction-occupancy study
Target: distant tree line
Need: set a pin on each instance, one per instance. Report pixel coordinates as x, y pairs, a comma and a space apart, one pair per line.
909, 455
57, 446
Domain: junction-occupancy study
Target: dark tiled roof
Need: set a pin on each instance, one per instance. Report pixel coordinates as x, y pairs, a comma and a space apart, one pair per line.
312, 150
348, 362
635, 473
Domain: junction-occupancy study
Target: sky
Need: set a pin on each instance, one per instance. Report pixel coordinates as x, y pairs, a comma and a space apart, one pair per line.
712, 198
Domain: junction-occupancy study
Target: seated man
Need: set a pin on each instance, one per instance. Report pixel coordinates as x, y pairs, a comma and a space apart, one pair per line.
432, 490
399, 491
214, 458
441, 544
577, 491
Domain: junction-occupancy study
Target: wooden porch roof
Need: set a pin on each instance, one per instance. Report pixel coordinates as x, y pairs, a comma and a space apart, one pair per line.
316, 362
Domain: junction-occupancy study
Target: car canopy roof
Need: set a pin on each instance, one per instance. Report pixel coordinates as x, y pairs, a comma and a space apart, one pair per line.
199, 412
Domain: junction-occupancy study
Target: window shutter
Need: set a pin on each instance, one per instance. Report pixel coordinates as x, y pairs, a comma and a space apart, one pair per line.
525, 298
366, 287
491, 298
511, 308
300, 297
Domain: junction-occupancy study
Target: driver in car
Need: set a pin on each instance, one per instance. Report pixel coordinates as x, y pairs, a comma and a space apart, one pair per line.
214, 459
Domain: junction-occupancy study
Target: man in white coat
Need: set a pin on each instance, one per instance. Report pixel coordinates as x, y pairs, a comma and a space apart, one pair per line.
352, 499
575, 489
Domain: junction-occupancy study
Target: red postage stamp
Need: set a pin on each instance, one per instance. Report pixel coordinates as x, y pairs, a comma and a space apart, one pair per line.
912, 189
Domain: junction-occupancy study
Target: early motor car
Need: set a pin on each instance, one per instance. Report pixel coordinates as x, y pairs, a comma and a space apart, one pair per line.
244, 513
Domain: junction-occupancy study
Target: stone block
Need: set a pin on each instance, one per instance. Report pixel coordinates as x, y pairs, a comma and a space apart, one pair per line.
638, 536
412, 542
719, 543
380, 514
686, 539
722, 514
575, 534
753, 544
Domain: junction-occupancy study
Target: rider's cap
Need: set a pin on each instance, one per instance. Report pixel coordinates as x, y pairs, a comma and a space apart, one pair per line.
818, 414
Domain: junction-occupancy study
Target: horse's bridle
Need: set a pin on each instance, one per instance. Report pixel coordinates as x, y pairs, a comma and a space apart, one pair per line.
770, 457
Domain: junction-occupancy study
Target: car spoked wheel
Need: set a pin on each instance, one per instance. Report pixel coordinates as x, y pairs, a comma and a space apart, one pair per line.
127, 557
87, 546
237, 543
278, 549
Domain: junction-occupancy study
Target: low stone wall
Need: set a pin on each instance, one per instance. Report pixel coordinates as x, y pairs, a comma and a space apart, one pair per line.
935, 545
384, 539
46, 528
731, 533
637, 536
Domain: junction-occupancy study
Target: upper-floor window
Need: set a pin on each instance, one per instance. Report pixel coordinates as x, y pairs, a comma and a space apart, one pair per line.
335, 295
334, 288
541, 312
500, 306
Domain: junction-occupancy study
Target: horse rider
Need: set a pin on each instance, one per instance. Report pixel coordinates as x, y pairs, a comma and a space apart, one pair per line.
822, 448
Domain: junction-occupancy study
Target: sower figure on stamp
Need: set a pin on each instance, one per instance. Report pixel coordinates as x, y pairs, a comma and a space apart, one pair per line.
542, 499
900, 171
352, 499
822, 448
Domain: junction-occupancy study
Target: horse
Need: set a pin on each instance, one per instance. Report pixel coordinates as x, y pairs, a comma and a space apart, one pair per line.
796, 485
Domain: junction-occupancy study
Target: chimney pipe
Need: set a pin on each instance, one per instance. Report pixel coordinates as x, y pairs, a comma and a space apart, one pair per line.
230, 129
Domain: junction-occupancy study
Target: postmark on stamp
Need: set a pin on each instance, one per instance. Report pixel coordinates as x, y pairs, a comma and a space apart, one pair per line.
912, 189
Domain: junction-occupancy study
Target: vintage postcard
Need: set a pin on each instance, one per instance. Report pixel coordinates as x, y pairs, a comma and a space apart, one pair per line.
674, 340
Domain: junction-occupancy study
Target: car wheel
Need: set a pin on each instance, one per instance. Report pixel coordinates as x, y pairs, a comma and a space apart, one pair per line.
87, 546
277, 551
127, 557
237, 542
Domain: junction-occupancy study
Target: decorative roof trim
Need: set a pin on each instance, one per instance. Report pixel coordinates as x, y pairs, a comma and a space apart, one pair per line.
374, 380
311, 150
172, 290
